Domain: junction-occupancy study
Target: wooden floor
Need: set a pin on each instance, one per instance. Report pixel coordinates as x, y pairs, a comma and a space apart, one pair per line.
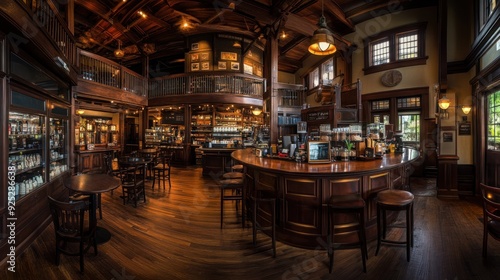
176, 235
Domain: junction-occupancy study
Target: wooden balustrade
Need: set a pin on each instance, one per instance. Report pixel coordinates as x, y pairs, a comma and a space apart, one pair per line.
46, 13
190, 83
106, 72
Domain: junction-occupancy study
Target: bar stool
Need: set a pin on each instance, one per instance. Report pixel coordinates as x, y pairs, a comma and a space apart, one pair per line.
347, 204
264, 192
236, 187
395, 200
235, 173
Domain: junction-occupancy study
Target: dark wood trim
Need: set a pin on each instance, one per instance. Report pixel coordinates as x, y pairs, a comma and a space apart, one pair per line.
391, 36
442, 45
485, 38
466, 177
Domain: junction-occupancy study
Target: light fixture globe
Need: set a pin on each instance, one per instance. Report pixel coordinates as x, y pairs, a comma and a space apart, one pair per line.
444, 103
322, 42
257, 111
466, 109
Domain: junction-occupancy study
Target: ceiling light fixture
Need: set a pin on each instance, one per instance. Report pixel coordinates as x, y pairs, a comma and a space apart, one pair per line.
322, 42
119, 53
236, 45
80, 111
283, 35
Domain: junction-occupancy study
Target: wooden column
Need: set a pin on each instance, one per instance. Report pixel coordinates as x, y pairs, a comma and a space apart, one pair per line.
271, 74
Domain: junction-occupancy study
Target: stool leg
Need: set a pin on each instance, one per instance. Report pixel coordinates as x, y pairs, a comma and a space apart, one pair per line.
221, 206
379, 229
362, 239
154, 179
384, 223
408, 232
330, 241
254, 224
243, 207
273, 220
412, 224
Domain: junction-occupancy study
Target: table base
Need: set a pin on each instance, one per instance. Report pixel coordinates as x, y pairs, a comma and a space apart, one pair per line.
102, 235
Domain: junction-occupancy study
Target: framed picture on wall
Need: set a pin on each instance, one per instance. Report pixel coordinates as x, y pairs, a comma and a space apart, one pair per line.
195, 46
204, 56
205, 65
235, 66
229, 56
195, 66
221, 65
247, 69
195, 57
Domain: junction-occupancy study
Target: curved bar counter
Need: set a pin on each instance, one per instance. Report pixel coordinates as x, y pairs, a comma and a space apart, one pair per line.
303, 191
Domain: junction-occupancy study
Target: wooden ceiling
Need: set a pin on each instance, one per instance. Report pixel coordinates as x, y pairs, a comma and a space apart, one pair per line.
101, 24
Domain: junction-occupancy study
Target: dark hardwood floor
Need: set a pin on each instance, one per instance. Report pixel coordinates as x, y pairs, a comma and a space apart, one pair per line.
176, 235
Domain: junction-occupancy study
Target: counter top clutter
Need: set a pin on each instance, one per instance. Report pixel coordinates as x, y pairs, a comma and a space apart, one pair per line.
387, 161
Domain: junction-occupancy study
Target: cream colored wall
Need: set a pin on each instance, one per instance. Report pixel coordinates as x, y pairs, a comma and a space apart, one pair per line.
460, 33
286, 78
459, 85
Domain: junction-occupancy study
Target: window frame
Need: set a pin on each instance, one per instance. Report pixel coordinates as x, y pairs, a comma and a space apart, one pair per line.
496, 126
392, 36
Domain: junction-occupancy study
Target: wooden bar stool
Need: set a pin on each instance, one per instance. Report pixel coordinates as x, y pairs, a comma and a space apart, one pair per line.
347, 204
236, 187
395, 200
264, 194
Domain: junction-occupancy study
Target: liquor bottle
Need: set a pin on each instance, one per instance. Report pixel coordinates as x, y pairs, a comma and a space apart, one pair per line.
25, 127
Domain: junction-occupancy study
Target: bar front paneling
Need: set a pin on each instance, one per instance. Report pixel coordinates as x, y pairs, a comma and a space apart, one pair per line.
304, 189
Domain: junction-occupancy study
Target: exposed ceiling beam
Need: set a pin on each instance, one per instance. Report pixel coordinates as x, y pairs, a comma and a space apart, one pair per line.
292, 44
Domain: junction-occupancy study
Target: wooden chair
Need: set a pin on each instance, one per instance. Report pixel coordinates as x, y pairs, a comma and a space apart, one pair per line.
69, 225
491, 214
161, 169
132, 182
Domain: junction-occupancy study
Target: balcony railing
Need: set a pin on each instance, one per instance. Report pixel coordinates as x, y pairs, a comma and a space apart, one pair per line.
103, 71
46, 14
194, 83
290, 95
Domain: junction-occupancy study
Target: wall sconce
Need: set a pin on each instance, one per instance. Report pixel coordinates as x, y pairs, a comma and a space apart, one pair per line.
466, 109
444, 104
80, 111
257, 111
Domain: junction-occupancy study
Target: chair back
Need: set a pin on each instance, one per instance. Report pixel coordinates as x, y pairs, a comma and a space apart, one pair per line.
69, 218
491, 203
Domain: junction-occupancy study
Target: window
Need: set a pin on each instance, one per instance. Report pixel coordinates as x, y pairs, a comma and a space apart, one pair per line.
493, 124
314, 78
399, 47
380, 52
408, 46
409, 124
408, 102
327, 71
380, 105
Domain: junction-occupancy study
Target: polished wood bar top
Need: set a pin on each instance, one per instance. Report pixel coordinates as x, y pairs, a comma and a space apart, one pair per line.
97, 150
247, 157
219, 149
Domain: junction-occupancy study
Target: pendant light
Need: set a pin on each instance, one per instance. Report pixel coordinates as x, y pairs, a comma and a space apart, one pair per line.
119, 53
322, 42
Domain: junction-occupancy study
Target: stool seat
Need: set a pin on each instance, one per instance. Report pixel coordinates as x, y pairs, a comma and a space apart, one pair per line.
395, 197
237, 167
228, 183
232, 175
